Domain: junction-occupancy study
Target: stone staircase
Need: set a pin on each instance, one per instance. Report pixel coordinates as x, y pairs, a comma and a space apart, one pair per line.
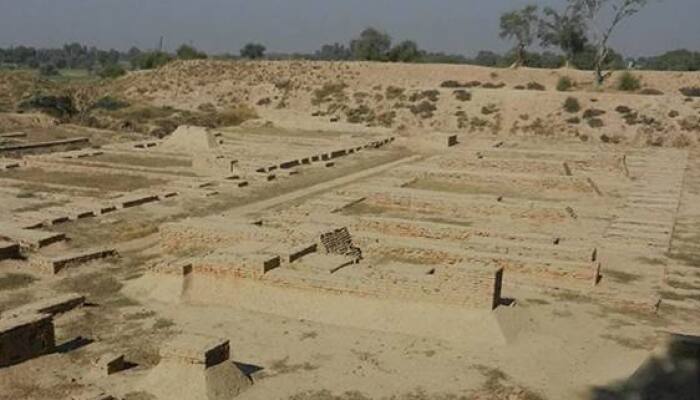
682, 279
647, 218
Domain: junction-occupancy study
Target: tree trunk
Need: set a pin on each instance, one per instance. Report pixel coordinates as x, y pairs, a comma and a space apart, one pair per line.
519, 57
600, 76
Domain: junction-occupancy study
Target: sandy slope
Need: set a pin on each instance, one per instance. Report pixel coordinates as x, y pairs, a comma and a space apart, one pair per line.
291, 93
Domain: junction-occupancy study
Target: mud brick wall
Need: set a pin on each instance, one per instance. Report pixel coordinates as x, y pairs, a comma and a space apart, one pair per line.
179, 236
25, 337
54, 265
232, 266
8, 250
480, 288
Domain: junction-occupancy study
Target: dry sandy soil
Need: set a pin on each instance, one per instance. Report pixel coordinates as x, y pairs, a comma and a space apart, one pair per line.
372, 235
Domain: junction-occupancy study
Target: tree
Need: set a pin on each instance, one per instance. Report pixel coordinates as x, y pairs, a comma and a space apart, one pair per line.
372, 45
335, 51
151, 60
676, 60
586, 59
186, 52
601, 26
48, 70
521, 26
253, 51
566, 31
113, 70
406, 51
487, 58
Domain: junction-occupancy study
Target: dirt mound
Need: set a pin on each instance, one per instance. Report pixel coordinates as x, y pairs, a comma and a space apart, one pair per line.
420, 97
189, 140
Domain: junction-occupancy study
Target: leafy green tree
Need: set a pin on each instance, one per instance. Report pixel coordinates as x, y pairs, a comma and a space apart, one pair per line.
110, 71
487, 58
521, 26
567, 31
335, 51
587, 59
372, 45
676, 60
406, 51
602, 18
253, 51
186, 52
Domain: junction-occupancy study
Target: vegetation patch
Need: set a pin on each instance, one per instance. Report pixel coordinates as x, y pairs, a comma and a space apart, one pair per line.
651, 92
431, 95
564, 84
56, 106
424, 109
690, 91
592, 113
628, 82
462, 95
360, 114
109, 103
623, 109
489, 109
329, 92
489, 85
393, 92
571, 105
595, 123
535, 86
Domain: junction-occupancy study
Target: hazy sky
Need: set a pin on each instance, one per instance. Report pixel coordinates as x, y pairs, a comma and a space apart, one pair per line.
456, 26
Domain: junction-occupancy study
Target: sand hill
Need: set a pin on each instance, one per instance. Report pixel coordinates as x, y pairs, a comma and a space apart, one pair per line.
417, 97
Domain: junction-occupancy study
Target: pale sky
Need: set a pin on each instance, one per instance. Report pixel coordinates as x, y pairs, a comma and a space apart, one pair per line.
453, 26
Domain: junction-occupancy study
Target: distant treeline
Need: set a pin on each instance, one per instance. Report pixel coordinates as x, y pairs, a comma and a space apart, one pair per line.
371, 45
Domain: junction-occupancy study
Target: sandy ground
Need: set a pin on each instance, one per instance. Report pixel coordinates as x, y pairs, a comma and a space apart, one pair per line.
509, 175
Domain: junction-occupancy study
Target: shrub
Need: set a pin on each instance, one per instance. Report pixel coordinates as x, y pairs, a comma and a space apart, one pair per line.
592, 113
571, 105
151, 60
328, 92
386, 119
489, 85
432, 95
265, 101
651, 92
690, 91
628, 82
451, 84
360, 114
623, 109
596, 123
111, 71
56, 106
519, 87
574, 120
393, 92
564, 84
109, 103
462, 95
673, 114
535, 86
423, 109
489, 109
